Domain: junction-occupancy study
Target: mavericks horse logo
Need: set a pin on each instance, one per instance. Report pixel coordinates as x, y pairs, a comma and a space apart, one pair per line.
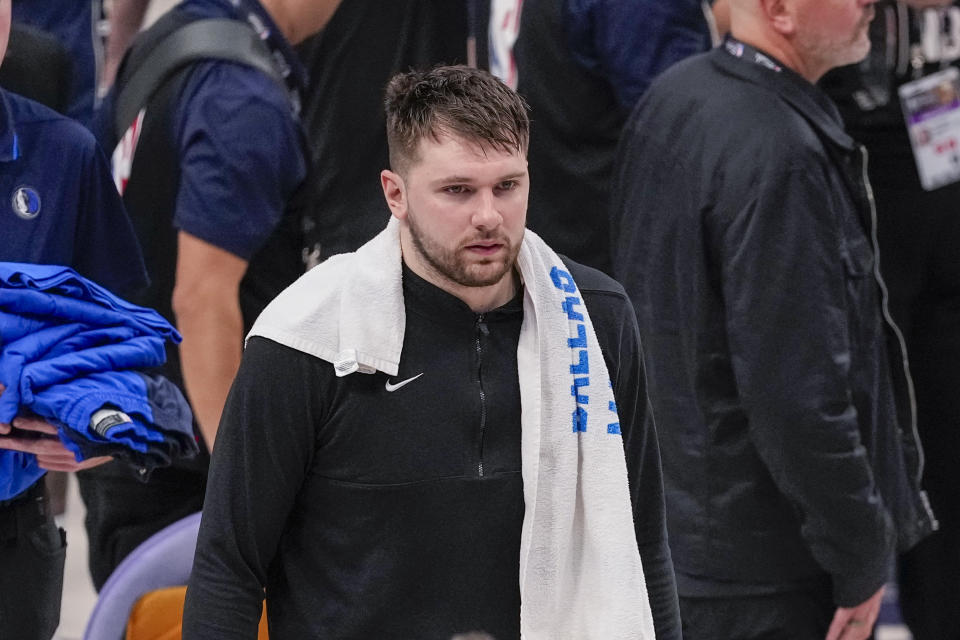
26, 203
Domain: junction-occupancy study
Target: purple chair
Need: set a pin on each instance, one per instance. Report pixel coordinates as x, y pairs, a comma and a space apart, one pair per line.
163, 560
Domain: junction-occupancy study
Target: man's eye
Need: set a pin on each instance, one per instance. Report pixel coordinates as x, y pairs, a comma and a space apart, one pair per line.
507, 185
455, 189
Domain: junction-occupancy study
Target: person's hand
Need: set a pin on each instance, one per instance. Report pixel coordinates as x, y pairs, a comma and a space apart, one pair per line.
927, 4
856, 623
40, 438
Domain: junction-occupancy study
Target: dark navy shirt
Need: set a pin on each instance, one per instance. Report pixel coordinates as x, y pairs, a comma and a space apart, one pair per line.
73, 23
631, 43
58, 204
239, 140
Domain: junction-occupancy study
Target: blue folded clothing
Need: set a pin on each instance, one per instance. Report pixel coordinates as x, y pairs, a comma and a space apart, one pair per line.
68, 285
129, 434
60, 353
73, 353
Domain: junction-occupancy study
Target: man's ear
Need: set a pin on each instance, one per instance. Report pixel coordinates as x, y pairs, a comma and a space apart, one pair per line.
395, 193
780, 15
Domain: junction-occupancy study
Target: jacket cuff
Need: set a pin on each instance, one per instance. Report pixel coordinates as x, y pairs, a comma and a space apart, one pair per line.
850, 591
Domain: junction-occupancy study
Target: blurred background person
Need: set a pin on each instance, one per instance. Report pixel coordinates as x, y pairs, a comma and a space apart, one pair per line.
74, 23
211, 169
124, 19
37, 66
348, 64
919, 233
94, 33
581, 65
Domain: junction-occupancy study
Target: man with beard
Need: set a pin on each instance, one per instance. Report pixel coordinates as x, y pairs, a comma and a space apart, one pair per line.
746, 240
374, 471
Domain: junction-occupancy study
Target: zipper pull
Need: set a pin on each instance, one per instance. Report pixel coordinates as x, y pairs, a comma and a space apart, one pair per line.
482, 326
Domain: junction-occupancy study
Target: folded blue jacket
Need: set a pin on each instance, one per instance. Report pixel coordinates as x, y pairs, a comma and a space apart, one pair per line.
71, 352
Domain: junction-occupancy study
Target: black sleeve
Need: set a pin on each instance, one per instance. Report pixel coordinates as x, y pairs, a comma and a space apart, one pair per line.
264, 448
616, 327
787, 316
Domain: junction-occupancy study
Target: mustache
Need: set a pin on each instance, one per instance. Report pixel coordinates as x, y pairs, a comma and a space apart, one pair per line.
486, 239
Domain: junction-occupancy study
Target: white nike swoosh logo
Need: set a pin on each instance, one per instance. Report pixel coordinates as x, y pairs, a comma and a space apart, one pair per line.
393, 387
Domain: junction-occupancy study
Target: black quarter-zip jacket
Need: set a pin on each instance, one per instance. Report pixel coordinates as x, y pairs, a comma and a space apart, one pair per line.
375, 506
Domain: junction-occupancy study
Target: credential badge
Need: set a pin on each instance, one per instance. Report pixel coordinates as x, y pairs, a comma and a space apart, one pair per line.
26, 203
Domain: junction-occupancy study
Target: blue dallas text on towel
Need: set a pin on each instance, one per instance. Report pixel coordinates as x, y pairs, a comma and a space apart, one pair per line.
581, 355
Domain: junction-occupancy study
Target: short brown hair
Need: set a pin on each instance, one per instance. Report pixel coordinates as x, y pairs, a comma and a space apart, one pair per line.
459, 100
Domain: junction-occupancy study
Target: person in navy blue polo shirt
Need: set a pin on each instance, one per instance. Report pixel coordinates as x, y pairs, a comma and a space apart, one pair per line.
57, 206
210, 172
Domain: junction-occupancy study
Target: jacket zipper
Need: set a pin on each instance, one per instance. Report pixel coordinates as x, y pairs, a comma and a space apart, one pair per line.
884, 304
481, 330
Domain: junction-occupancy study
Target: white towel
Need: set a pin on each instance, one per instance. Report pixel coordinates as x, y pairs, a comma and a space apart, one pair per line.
580, 571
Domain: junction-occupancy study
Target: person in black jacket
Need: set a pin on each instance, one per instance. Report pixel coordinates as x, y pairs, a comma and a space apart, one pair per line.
747, 241
918, 233
385, 506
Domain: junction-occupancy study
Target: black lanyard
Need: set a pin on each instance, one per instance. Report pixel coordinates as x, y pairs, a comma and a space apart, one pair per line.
285, 60
744, 51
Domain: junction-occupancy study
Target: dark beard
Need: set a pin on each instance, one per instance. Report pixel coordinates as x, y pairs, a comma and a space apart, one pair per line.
447, 264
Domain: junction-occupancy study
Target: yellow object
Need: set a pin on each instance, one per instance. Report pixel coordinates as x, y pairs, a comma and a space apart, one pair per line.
158, 615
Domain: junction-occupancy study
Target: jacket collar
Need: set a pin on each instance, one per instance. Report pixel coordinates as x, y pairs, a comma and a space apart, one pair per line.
752, 65
426, 298
9, 145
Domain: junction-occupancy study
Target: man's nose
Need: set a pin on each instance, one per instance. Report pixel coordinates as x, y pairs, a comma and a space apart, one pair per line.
486, 215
